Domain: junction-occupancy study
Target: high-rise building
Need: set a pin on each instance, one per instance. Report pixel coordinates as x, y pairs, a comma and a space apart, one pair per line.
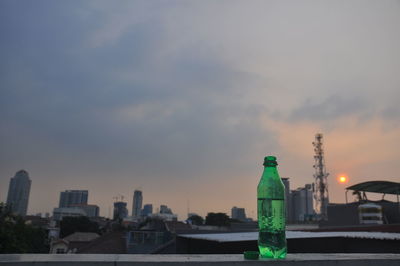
120, 210
69, 198
302, 202
288, 199
18, 192
238, 214
147, 210
137, 203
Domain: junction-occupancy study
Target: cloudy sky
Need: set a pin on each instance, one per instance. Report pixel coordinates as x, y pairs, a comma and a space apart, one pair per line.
183, 99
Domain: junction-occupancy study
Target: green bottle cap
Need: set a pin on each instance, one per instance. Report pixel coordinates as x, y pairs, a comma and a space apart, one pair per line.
251, 255
270, 161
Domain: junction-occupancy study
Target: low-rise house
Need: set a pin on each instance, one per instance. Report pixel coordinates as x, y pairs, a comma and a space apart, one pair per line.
59, 246
73, 242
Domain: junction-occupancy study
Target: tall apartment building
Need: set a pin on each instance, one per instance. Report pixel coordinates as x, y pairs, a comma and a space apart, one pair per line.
18, 192
137, 203
69, 198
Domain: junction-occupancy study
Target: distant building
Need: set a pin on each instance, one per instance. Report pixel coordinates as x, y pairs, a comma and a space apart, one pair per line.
60, 213
69, 198
165, 216
91, 210
120, 210
165, 210
348, 214
53, 231
147, 210
190, 214
238, 214
18, 192
370, 213
288, 199
145, 241
137, 203
302, 202
36, 221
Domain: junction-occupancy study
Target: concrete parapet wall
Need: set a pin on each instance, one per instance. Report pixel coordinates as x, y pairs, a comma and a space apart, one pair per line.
191, 260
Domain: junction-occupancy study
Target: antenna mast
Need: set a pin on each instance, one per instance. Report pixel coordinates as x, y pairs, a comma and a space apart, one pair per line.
320, 186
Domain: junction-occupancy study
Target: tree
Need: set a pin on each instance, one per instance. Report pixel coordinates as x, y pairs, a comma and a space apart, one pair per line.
18, 237
218, 219
196, 220
70, 225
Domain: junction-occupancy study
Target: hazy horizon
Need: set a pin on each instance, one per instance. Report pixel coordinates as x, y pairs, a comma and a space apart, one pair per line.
183, 99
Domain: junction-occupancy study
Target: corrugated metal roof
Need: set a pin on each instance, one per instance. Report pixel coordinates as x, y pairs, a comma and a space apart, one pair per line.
252, 236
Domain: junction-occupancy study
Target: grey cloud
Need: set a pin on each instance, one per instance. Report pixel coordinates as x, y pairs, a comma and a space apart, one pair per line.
73, 106
331, 108
391, 112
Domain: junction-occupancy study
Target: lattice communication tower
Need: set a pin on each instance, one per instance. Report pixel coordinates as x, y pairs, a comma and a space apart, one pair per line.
320, 186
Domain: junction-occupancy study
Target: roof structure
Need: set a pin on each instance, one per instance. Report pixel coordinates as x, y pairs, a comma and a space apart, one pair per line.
385, 187
81, 237
253, 236
109, 243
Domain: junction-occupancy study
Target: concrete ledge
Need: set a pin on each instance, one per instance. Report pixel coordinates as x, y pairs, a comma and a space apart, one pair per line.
182, 260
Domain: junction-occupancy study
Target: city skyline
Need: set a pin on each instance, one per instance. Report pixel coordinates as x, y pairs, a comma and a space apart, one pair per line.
182, 100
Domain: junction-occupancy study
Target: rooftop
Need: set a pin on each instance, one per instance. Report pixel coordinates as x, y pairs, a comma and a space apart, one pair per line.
385, 187
250, 236
236, 259
81, 237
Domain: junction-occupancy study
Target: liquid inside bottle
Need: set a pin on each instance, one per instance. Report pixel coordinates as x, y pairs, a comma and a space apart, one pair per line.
272, 238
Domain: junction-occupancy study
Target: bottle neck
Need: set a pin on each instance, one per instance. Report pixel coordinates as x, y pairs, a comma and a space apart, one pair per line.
270, 172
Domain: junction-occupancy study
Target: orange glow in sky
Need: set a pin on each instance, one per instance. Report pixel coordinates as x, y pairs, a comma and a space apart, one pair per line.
342, 179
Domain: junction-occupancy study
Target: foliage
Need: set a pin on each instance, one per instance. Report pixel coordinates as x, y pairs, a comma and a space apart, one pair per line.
196, 220
70, 225
218, 219
18, 237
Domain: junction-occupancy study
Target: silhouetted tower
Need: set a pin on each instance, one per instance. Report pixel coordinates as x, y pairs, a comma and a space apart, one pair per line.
320, 186
18, 192
137, 203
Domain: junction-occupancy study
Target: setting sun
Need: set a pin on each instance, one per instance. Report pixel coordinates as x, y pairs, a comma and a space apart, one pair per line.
342, 179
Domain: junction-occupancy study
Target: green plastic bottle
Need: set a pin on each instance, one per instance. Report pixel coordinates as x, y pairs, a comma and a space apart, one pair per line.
271, 212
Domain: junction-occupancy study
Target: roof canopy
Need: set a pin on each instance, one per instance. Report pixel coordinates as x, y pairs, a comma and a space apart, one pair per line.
385, 187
